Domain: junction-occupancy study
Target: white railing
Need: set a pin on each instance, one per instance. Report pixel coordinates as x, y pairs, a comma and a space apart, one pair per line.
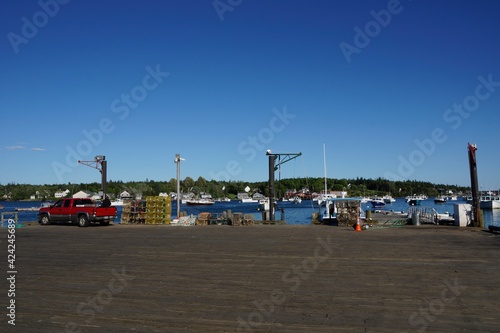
426, 214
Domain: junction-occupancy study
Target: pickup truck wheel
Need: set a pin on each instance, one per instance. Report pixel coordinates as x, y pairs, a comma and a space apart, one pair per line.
44, 220
83, 221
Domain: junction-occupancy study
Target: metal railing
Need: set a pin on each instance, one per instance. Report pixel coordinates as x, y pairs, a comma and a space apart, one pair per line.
426, 214
5, 216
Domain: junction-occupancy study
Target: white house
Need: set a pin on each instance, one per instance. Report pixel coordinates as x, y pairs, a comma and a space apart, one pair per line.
125, 195
83, 194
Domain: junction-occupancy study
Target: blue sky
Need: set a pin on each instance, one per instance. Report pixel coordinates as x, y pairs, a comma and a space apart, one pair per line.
394, 89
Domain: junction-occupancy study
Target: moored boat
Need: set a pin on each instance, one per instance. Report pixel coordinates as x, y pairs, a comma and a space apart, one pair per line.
200, 202
377, 203
415, 200
489, 202
440, 199
388, 199
117, 202
27, 209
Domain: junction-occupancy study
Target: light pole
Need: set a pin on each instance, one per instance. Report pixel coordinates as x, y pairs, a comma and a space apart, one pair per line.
178, 160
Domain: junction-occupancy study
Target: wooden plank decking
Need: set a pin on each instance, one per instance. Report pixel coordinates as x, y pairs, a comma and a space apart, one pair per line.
262, 278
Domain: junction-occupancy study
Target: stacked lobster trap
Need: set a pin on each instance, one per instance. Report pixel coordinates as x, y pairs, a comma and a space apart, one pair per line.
348, 212
158, 209
133, 212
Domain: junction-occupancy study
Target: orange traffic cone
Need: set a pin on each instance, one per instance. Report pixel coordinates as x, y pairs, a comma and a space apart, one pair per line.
358, 225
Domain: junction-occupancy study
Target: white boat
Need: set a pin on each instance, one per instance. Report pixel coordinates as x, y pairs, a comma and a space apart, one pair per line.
377, 203
324, 197
489, 202
117, 202
249, 200
440, 199
296, 200
365, 200
415, 200
388, 199
200, 202
26, 209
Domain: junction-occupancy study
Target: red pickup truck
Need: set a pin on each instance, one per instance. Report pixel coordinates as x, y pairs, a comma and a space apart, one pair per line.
81, 211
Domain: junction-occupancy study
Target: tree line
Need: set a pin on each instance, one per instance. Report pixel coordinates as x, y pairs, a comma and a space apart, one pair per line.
219, 189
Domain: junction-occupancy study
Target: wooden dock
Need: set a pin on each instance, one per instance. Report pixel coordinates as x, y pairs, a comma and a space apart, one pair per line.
279, 278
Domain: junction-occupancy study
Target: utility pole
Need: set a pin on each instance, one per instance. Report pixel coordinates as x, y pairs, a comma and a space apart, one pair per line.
178, 160
273, 166
100, 164
271, 186
476, 208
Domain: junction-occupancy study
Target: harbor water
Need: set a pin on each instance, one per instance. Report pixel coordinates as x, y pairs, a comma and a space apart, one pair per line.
293, 213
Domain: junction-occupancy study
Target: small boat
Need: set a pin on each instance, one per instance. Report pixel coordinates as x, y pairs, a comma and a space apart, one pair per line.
388, 199
415, 200
324, 197
440, 199
27, 209
377, 203
296, 200
117, 202
200, 202
248, 200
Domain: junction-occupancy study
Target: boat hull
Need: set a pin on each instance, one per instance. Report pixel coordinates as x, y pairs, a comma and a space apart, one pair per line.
492, 204
199, 202
377, 204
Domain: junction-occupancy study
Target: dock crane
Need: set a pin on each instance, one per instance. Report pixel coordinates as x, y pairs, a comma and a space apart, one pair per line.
100, 164
273, 166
